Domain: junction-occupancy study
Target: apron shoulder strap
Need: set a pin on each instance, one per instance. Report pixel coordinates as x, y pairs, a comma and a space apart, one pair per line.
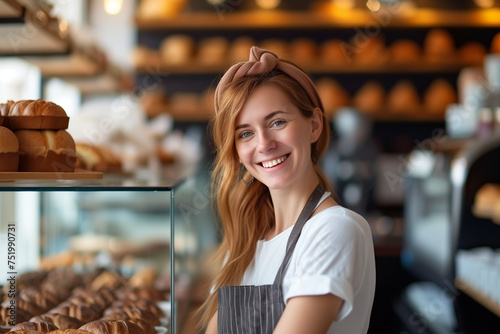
304, 216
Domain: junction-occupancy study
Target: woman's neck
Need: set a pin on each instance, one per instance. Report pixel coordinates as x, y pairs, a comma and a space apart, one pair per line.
289, 202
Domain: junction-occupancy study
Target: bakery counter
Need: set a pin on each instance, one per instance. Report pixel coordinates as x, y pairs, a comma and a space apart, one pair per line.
143, 235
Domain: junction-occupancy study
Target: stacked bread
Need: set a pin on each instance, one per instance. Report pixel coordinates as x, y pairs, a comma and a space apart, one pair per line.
99, 302
40, 136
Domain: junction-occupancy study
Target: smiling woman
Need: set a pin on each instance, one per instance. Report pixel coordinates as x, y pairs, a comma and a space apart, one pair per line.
291, 260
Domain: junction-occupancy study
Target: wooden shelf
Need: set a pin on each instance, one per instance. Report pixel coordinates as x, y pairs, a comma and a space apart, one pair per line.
478, 296
325, 16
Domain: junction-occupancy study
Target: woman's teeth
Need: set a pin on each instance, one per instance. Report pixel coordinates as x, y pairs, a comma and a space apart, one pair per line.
269, 164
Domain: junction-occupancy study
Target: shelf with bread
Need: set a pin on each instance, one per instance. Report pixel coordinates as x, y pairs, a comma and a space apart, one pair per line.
181, 54
324, 15
401, 103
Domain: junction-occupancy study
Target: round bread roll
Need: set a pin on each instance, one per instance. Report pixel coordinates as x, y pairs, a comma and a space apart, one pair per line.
332, 94
472, 53
240, 48
143, 56
212, 50
9, 151
303, 50
438, 45
36, 114
58, 320
495, 44
43, 327
370, 98
46, 151
404, 98
373, 51
405, 51
112, 327
177, 49
486, 199
333, 52
438, 96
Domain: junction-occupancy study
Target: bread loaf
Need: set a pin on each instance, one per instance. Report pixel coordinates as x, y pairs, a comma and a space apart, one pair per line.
43, 327
112, 327
96, 158
9, 151
58, 320
5, 108
36, 114
46, 151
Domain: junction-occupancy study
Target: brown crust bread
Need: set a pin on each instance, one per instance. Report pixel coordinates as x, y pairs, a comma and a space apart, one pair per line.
5, 108
112, 327
24, 331
36, 114
43, 327
97, 158
8, 141
58, 320
46, 151
9, 162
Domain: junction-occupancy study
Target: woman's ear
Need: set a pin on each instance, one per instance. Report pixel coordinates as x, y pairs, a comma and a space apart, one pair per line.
317, 124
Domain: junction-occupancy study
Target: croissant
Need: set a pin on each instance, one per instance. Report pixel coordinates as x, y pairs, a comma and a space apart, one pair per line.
134, 312
143, 304
145, 326
21, 315
30, 307
80, 312
112, 327
24, 331
70, 331
58, 320
43, 327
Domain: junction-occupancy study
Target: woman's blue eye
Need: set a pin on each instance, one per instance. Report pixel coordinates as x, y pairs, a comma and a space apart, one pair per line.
245, 134
278, 123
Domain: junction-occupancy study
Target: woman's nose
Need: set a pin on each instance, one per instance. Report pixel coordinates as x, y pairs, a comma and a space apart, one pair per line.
266, 142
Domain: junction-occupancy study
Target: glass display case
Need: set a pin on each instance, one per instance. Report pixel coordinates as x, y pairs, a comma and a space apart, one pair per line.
145, 236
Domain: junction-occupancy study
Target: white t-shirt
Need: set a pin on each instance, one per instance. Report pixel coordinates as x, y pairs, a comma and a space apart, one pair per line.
334, 254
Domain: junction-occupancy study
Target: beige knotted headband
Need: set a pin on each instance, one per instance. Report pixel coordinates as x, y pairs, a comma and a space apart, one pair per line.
260, 62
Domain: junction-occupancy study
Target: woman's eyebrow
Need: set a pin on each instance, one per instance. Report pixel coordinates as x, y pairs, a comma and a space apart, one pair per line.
268, 117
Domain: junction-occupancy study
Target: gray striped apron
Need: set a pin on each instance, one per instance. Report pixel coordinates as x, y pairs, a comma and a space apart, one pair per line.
256, 309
